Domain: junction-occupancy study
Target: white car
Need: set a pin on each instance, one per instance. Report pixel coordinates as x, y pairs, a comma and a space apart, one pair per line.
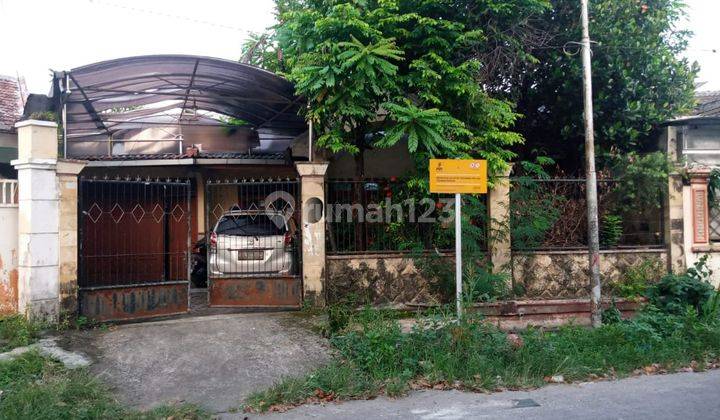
251, 242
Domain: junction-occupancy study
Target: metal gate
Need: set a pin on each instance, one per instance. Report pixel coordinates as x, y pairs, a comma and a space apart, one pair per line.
134, 247
252, 228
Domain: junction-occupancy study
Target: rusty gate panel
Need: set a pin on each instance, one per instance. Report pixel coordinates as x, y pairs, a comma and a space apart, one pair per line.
253, 257
135, 302
269, 292
134, 248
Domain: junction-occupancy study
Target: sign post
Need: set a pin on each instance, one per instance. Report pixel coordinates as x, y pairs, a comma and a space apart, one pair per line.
458, 176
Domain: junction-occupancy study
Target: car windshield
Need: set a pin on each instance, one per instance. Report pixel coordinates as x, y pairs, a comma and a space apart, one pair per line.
251, 225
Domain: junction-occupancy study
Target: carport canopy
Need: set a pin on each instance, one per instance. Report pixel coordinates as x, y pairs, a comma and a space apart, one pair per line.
105, 98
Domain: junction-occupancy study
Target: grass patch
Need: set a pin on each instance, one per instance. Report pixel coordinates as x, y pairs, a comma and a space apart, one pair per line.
37, 388
376, 357
16, 331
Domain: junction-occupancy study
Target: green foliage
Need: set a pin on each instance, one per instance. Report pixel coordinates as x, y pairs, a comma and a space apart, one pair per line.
611, 315
405, 70
642, 182
533, 212
44, 116
16, 331
640, 78
675, 293
713, 188
481, 285
376, 355
611, 230
38, 388
637, 278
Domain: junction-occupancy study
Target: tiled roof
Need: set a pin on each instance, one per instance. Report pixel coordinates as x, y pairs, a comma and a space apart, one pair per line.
708, 104
170, 156
11, 102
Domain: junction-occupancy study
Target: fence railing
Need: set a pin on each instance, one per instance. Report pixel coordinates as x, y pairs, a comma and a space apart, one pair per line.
552, 214
8, 193
383, 215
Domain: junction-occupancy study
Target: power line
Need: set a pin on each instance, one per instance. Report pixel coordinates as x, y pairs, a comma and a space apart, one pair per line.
170, 16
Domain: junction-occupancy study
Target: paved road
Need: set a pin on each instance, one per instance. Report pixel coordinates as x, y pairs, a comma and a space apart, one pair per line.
684, 395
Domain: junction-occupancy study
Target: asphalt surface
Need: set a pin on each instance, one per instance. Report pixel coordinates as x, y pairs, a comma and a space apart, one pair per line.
682, 395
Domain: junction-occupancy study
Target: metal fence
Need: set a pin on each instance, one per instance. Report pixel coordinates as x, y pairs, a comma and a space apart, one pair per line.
133, 232
381, 215
552, 214
252, 227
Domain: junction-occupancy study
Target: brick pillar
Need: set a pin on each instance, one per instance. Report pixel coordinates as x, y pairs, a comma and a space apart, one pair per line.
67, 181
674, 229
499, 245
312, 203
38, 287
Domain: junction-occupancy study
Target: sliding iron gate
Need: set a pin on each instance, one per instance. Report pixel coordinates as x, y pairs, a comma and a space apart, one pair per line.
253, 236
134, 247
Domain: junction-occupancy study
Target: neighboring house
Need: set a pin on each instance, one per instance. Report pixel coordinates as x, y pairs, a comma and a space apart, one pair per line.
693, 144
12, 101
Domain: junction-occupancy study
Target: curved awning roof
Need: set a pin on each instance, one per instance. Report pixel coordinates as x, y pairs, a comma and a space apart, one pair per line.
105, 97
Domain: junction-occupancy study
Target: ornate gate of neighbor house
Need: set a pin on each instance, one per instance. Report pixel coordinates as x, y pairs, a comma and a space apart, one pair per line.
253, 236
134, 247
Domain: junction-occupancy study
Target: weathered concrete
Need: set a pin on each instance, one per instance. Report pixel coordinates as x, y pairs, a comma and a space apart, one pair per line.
565, 274
8, 247
48, 347
499, 242
38, 221
388, 280
67, 184
312, 188
213, 361
685, 395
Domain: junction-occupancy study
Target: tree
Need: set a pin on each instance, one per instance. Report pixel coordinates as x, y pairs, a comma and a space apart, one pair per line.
639, 79
376, 72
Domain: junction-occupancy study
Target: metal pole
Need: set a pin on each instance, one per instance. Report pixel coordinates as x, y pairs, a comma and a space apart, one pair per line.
65, 95
591, 177
310, 141
458, 255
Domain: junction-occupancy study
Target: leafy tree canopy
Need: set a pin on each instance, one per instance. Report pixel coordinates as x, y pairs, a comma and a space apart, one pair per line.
376, 72
460, 78
639, 79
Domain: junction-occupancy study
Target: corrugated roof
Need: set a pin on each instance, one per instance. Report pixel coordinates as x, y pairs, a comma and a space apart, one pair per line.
104, 97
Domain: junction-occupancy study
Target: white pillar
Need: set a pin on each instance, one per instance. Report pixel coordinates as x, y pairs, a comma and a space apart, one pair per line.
38, 220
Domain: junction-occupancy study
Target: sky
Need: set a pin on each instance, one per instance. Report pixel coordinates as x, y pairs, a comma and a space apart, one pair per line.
94, 30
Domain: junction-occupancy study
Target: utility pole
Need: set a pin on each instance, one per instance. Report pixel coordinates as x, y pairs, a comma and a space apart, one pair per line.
590, 175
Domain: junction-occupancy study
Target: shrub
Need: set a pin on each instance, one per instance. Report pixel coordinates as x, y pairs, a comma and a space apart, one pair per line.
675, 292
637, 278
611, 230
16, 331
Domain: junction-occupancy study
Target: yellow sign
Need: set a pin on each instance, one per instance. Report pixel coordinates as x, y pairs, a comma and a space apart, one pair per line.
458, 176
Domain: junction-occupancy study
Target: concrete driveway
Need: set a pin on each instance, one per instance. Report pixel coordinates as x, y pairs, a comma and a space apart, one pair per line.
214, 361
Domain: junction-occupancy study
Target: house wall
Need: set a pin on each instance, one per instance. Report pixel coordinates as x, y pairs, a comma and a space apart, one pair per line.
693, 252
396, 280
8, 258
212, 139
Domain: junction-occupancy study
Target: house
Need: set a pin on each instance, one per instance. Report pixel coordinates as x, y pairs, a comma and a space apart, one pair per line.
12, 101
692, 143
